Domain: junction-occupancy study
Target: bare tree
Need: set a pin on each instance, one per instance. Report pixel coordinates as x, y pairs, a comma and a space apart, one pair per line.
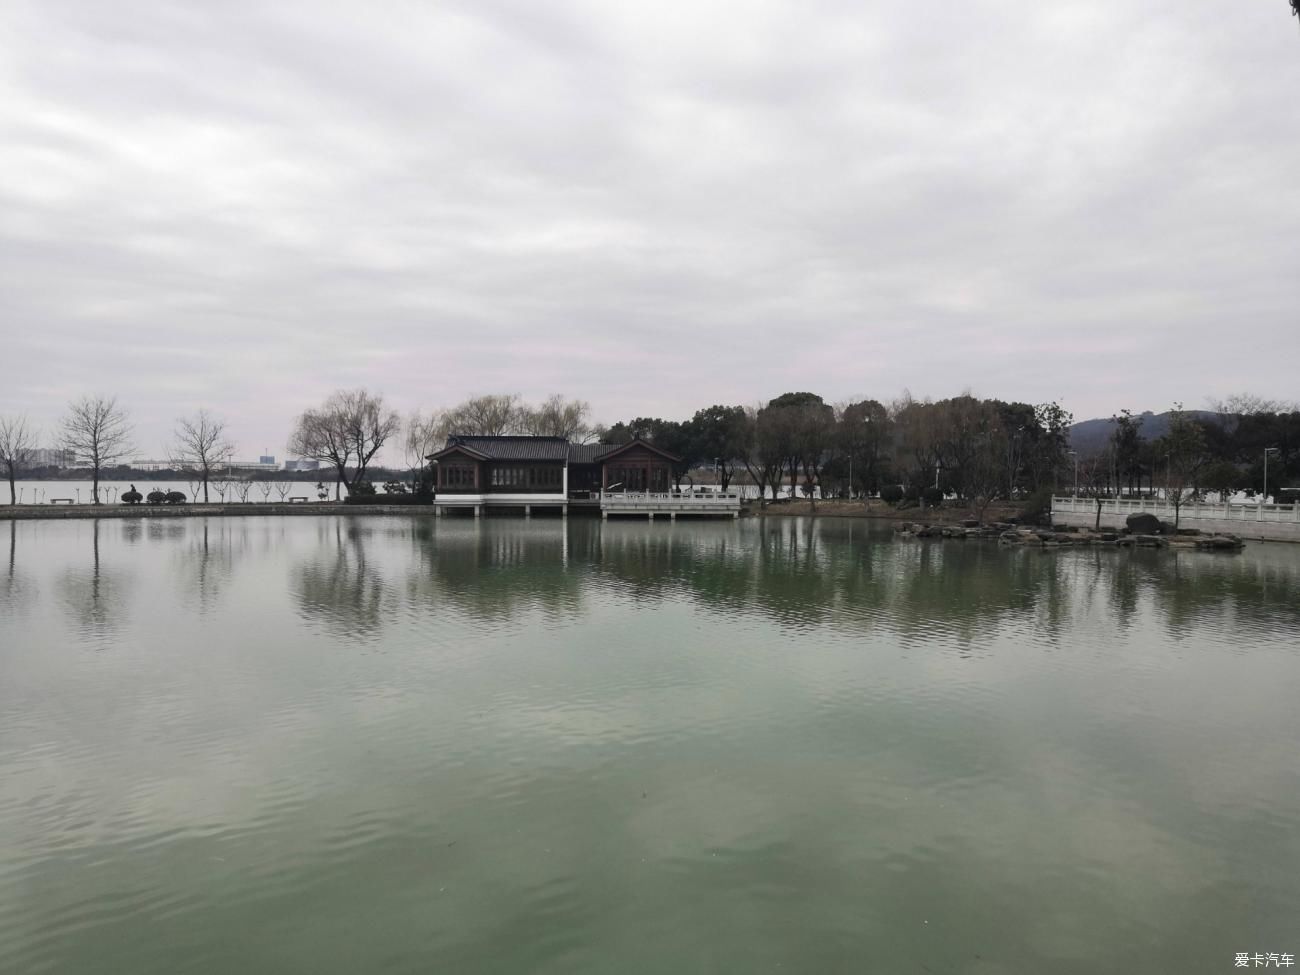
17, 443
423, 436
558, 417
761, 451
982, 478
351, 426
1094, 483
1185, 456
200, 443
97, 429
1250, 404
485, 416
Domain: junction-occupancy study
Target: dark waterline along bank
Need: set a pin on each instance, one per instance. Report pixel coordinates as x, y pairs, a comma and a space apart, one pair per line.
43, 512
324, 508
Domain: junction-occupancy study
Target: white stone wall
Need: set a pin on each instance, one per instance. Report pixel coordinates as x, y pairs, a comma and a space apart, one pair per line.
1277, 523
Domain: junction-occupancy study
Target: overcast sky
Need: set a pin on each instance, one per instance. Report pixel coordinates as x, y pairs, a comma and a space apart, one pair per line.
652, 206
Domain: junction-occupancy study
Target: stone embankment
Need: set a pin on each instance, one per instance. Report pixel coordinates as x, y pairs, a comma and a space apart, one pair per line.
239, 510
1157, 535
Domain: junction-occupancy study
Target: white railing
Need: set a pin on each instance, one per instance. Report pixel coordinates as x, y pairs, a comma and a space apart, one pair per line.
1165, 511
670, 500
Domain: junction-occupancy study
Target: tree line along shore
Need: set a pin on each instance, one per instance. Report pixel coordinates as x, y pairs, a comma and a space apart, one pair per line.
967, 450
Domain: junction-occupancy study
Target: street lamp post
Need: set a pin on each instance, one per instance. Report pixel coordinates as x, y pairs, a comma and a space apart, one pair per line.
1267, 450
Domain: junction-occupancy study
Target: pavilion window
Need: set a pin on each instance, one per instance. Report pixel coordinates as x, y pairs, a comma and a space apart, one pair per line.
455, 477
544, 477
627, 478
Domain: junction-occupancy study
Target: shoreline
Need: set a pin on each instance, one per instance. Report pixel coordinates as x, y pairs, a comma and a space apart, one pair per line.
799, 509
230, 510
876, 510
933, 517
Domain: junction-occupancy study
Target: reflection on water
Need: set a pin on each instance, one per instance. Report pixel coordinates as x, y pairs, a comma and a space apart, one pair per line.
337, 585
94, 594
340, 745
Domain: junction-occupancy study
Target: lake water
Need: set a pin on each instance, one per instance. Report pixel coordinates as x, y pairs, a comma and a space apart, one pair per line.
334, 745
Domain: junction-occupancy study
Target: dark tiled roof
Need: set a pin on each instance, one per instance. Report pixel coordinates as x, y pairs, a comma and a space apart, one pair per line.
614, 448
539, 448
588, 453
515, 448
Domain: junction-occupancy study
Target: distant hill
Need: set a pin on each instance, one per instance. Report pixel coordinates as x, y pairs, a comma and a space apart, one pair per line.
1090, 436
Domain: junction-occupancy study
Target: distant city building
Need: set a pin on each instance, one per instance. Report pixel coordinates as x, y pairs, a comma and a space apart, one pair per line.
53, 457
144, 464
302, 465
266, 460
253, 465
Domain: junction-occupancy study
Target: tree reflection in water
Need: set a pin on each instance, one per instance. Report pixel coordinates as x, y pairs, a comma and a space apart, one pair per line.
14, 595
803, 574
792, 573
96, 595
337, 587
205, 567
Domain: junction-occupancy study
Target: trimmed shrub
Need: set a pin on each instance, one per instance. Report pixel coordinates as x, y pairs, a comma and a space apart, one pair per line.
891, 493
362, 489
1037, 508
395, 487
176, 497
933, 496
132, 497
156, 497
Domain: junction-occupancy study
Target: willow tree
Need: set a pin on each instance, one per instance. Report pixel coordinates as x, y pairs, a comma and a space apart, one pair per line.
349, 428
556, 416
423, 436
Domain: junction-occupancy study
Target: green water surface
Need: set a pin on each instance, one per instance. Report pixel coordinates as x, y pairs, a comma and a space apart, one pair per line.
334, 745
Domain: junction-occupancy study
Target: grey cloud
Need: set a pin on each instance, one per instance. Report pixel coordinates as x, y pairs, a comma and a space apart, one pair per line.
243, 206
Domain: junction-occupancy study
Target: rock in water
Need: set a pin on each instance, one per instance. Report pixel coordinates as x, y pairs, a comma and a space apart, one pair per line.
1143, 524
